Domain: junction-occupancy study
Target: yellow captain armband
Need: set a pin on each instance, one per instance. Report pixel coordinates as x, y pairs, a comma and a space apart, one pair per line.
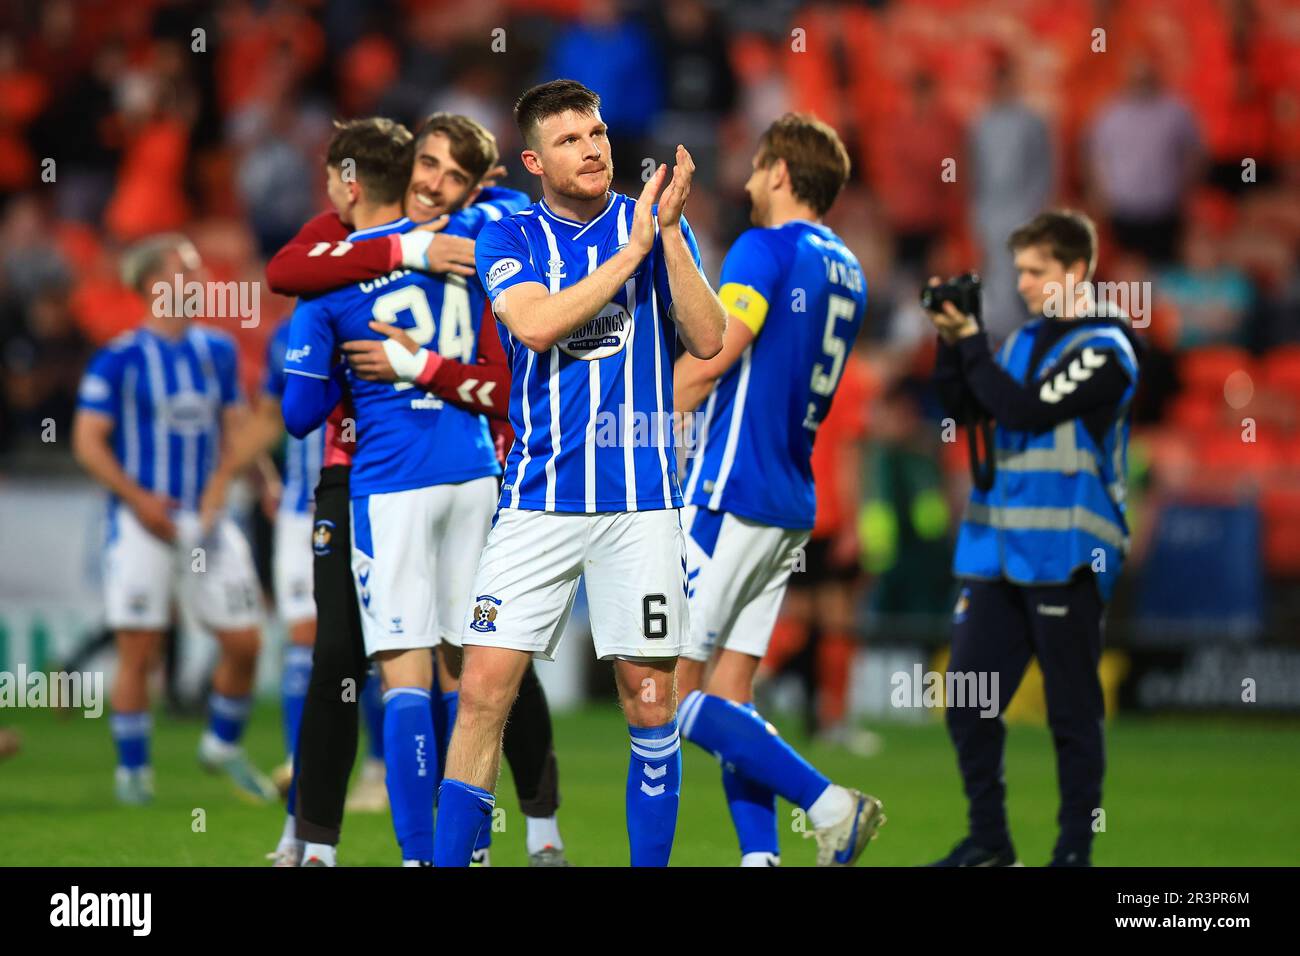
745, 303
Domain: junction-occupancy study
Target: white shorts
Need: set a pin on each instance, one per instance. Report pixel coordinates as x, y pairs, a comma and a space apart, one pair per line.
212, 576
634, 564
292, 567
738, 571
413, 559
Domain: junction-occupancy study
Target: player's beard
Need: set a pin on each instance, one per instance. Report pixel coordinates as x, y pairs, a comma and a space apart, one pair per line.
576, 188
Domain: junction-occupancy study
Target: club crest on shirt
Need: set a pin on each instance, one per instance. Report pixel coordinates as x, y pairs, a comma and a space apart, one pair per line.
484, 615
603, 336
963, 605
321, 536
190, 413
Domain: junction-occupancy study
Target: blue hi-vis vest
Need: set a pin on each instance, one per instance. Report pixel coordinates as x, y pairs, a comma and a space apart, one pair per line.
1057, 503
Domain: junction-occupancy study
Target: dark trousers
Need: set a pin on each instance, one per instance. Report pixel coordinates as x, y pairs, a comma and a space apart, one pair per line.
1000, 628
327, 740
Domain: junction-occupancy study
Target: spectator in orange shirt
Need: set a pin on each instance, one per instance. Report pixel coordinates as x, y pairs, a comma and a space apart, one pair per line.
910, 151
150, 195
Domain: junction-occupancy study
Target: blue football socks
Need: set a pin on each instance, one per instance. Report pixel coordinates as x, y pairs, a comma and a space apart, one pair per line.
753, 810
463, 810
410, 752
739, 737
227, 716
131, 732
654, 784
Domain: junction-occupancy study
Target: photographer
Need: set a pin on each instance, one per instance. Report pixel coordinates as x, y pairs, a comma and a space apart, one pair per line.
1042, 543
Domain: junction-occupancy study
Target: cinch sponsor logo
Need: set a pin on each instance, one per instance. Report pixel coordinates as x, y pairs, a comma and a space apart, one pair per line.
64, 690
134, 910
501, 271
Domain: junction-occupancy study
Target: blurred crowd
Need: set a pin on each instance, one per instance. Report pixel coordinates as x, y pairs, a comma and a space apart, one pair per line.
1174, 123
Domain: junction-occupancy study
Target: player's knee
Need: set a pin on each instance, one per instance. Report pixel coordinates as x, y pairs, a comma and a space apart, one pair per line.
483, 697
303, 633
641, 712
406, 668
690, 676
242, 647
134, 666
136, 650
729, 688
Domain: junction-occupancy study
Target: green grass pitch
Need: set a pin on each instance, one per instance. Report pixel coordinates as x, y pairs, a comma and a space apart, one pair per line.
1197, 792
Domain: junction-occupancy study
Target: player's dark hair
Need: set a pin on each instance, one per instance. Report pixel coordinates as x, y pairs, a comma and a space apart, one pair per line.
552, 99
814, 155
378, 152
472, 145
1069, 236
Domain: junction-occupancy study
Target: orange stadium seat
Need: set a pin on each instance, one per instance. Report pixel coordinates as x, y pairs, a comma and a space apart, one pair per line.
1195, 411
1205, 370
1280, 370
1223, 454
1280, 507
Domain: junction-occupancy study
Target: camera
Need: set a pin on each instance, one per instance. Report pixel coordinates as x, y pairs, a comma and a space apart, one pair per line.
963, 291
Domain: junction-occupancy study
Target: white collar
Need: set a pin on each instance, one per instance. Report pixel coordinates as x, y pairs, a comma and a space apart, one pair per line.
580, 226
393, 226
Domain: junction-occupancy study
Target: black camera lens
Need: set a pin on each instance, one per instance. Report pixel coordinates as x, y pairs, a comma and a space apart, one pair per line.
963, 291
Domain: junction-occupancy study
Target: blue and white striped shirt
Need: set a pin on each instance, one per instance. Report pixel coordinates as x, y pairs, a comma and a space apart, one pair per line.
165, 397
592, 414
